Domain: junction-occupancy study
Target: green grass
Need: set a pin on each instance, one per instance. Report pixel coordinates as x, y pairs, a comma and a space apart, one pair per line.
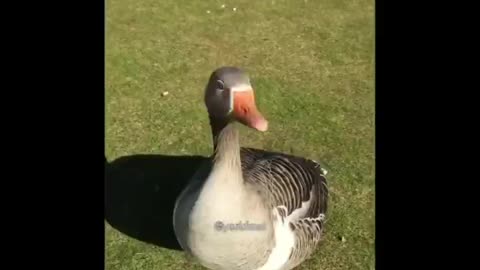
312, 65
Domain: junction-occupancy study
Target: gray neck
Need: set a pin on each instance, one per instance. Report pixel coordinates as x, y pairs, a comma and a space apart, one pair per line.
226, 144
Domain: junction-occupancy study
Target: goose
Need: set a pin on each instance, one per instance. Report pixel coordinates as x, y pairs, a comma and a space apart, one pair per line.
248, 208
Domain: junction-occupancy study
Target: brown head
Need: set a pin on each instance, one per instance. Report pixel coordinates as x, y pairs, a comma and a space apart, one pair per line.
229, 96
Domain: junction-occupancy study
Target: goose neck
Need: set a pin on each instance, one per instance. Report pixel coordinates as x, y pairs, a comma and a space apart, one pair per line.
226, 143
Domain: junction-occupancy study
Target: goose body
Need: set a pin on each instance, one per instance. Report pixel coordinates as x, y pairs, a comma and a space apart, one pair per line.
247, 208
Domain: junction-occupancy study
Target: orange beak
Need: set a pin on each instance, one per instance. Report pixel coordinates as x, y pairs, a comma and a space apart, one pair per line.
246, 112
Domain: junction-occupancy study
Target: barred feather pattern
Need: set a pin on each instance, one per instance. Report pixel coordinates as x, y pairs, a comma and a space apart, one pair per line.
287, 182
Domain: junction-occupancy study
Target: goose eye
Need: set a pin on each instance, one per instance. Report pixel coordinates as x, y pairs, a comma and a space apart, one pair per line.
221, 85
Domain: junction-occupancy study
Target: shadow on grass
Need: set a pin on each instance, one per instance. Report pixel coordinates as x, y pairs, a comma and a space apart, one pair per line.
140, 194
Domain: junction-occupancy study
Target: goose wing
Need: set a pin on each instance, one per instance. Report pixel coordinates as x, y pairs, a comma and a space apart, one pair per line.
295, 185
296, 190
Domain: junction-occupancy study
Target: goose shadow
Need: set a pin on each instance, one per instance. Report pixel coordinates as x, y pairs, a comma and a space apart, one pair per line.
140, 194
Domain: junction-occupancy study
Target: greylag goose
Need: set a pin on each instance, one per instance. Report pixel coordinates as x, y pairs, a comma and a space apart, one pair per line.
247, 208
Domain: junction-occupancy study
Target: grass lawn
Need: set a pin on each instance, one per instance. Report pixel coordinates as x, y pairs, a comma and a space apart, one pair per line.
312, 65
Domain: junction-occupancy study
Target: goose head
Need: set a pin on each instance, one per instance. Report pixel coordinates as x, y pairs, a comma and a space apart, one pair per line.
229, 96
